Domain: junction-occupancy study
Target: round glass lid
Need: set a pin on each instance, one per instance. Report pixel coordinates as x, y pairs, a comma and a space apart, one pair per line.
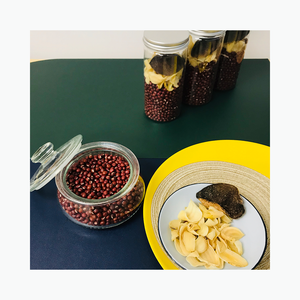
52, 162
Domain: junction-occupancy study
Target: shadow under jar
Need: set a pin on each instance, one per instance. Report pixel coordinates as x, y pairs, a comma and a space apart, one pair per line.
100, 186
204, 50
231, 58
164, 69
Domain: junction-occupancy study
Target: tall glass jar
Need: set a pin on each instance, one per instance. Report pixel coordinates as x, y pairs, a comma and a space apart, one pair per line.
165, 55
202, 64
231, 58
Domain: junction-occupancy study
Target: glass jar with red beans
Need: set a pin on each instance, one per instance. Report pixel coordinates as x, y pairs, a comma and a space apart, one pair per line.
232, 55
98, 184
164, 68
202, 65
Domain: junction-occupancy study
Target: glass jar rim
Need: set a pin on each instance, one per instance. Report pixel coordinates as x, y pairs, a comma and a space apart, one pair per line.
84, 152
208, 33
166, 40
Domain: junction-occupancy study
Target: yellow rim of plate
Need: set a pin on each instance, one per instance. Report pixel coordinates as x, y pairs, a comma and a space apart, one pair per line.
248, 154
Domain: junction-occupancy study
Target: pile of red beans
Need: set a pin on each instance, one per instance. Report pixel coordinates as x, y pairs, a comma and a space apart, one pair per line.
228, 71
100, 176
199, 85
162, 105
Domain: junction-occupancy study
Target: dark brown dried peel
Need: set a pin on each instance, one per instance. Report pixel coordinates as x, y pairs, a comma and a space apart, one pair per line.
224, 197
167, 64
235, 35
204, 47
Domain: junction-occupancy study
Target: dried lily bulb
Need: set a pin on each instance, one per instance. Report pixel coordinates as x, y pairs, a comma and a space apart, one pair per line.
191, 227
221, 225
178, 248
231, 234
221, 246
182, 246
193, 259
174, 224
191, 214
212, 234
203, 230
226, 219
188, 240
212, 213
211, 222
237, 246
201, 244
174, 234
233, 258
203, 208
209, 256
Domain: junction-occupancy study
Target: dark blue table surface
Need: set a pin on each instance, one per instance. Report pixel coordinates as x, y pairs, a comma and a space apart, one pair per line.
58, 243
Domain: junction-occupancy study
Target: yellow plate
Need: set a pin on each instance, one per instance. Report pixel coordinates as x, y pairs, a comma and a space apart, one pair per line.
248, 155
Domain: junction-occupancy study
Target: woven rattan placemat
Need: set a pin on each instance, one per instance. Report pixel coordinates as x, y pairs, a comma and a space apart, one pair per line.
254, 186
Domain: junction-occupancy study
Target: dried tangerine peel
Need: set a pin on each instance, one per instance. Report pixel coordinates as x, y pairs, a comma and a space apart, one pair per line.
206, 238
202, 60
169, 82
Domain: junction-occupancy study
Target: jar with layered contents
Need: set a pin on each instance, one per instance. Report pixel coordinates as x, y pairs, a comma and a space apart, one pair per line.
165, 55
231, 58
202, 64
98, 184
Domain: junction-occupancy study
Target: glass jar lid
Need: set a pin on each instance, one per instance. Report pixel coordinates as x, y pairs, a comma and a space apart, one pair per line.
166, 40
52, 162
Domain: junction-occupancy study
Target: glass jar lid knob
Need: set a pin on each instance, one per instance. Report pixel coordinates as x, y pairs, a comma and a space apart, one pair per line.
43, 154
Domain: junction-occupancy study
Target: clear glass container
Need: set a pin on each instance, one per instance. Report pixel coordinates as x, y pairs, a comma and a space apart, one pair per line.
99, 187
232, 55
202, 64
165, 55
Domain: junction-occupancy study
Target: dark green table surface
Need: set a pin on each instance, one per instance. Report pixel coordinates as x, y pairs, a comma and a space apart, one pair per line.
103, 99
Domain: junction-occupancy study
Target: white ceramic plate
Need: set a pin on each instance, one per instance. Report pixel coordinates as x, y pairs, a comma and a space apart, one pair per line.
251, 224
